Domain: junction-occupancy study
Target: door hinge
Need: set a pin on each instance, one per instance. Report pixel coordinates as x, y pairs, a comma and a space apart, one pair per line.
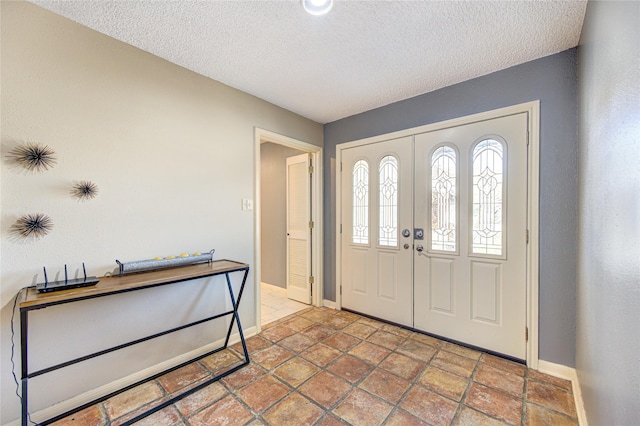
527, 137
341, 166
526, 334
310, 224
311, 280
310, 170
341, 228
527, 236
340, 290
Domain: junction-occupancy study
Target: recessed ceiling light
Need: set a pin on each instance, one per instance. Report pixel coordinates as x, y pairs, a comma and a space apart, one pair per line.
317, 7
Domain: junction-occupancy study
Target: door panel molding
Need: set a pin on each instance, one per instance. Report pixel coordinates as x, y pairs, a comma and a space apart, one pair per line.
533, 167
441, 285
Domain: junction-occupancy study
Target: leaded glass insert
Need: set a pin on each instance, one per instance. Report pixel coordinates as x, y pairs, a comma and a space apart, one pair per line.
488, 165
388, 231
443, 199
360, 231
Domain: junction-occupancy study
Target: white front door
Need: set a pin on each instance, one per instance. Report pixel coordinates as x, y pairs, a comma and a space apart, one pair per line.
463, 277
377, 193
298, 219
471, 201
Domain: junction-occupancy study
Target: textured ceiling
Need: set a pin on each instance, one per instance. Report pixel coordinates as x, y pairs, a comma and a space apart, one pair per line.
362, 55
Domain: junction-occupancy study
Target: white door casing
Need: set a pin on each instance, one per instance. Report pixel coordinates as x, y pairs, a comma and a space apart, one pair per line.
473, 292
298, 247
376, 266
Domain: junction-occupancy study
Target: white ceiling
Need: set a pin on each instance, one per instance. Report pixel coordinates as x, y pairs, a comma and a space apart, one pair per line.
362, 55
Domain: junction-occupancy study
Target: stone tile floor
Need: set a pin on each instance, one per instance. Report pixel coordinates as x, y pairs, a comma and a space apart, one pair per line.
325, 367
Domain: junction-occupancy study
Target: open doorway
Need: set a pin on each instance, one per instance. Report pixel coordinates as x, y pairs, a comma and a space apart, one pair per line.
288, 226
275, 193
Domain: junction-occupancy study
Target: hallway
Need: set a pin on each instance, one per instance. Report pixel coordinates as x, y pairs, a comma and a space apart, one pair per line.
275, 304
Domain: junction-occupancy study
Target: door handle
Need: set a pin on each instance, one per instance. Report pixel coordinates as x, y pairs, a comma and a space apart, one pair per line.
420, 248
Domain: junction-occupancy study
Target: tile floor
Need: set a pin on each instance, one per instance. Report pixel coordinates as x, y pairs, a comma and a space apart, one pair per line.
275, 304
324, 367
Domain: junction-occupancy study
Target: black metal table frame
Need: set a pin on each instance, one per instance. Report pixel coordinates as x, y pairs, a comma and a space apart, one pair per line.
26, 375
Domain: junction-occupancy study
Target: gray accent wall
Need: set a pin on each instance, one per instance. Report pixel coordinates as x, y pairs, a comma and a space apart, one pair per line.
552, 80
273, 212
608, 296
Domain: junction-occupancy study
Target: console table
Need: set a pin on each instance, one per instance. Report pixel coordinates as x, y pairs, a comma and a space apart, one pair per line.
30, 299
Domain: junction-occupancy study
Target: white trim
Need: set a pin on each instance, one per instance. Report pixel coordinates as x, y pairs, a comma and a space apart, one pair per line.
338, 231
533, 165
567, 373
76, 401
329, 304
533, 202
262, 136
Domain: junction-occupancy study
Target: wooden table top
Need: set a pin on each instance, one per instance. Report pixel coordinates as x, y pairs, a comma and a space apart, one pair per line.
30, 298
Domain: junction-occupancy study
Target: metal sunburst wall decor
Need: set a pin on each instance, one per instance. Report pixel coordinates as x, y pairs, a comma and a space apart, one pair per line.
34, 225
33, 156
84, 190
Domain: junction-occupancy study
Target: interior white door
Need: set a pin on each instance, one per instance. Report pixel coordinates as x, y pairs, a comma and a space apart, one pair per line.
298, 250
471, 201
377, 206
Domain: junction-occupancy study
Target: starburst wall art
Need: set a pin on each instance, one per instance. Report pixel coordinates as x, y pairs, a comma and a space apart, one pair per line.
84, 190
35, 225
33, 156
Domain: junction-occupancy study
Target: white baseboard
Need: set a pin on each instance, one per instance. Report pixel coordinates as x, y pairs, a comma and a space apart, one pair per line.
273, 285
567, 373
94, 394
329, 304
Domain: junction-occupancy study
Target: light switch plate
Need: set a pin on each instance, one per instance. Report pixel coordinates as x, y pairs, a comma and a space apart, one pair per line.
247, 204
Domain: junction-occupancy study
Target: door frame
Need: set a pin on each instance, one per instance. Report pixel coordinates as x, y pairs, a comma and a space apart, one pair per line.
315, 154
533, 208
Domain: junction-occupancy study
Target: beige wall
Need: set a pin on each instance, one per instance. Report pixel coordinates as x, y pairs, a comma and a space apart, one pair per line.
173, 155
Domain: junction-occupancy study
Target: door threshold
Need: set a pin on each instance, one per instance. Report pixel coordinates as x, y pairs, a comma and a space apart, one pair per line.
445, 339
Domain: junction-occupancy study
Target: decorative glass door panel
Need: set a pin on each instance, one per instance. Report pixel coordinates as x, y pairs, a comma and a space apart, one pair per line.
360, 187
470, 186
377, 203
444, 199
488, 197
388, 232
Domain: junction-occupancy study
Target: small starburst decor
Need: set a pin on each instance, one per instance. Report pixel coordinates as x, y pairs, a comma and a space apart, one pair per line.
33, 156
34, 225
84, 190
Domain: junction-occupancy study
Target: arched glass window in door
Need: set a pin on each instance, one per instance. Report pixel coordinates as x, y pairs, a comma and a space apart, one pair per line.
388, 230
488, 199
360, 231
444, 207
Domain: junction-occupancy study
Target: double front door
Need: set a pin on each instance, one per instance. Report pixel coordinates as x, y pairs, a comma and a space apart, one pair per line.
434, 232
